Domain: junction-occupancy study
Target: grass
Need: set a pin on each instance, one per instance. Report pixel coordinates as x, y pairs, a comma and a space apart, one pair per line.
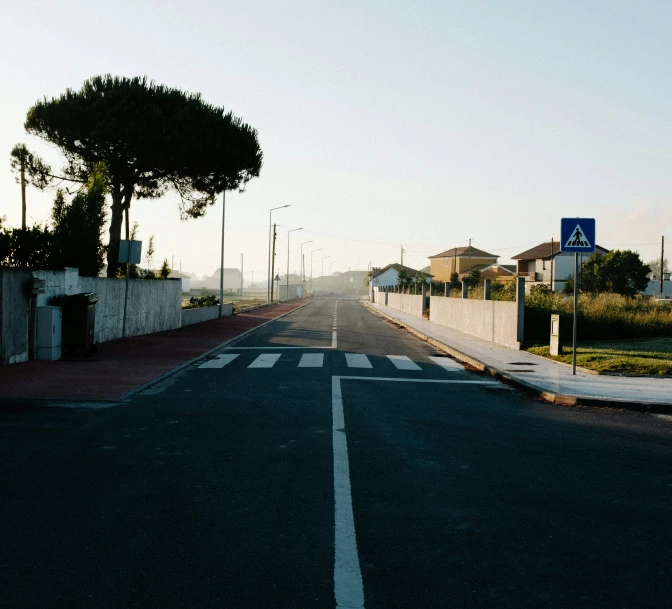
652, 356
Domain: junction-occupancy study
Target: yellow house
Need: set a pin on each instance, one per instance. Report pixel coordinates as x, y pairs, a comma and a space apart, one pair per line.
460, 260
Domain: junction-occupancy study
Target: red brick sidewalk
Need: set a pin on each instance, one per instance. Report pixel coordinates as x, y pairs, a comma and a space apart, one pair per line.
121, 366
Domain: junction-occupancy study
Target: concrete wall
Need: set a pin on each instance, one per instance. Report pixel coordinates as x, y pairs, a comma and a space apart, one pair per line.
196, 316
408, 303
153, 306
499, 322
15, 314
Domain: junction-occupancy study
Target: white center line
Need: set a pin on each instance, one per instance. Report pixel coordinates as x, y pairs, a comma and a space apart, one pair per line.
348, 586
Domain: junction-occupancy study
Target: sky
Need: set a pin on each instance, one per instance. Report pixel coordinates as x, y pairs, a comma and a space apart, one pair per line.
422, 124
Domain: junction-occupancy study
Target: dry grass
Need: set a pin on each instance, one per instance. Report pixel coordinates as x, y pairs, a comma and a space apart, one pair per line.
636, 356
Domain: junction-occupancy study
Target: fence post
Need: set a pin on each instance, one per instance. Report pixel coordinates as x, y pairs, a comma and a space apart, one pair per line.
424, 296
447, 290
465, 290
520, 301
487, 286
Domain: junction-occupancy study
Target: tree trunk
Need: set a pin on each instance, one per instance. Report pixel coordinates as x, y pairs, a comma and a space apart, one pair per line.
115, 234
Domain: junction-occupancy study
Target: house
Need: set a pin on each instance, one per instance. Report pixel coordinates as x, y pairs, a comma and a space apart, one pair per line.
388, 276
499, 272
536, 264
460, 260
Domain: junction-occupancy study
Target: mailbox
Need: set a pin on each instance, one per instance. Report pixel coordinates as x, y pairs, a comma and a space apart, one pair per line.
39, 286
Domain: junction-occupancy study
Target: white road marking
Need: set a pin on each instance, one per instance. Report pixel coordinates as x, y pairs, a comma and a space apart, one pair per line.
357, 360
312, 360
447, 363
265, 360
334, 335
403, 363
348, 586
221, 361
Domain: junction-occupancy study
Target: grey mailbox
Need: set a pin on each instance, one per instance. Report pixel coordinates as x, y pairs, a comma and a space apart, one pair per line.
556, 344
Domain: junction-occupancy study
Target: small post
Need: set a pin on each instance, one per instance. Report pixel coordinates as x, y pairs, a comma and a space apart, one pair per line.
555, 346
424, 296
520, 303
465, 289
446, 292
487, 287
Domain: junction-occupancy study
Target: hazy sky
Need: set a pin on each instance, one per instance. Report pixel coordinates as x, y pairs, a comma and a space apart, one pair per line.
381, 123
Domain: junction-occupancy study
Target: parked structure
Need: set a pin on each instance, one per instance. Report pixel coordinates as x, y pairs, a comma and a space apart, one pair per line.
460, 260
535, 264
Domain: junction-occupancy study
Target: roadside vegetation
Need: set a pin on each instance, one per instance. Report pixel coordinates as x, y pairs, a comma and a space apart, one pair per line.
651, 356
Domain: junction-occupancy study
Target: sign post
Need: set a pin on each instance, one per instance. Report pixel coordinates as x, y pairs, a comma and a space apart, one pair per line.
576, 235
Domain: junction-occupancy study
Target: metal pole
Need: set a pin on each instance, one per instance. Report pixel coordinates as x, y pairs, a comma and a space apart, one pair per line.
23, 193
221, 261
269, 285
273, 263
576, 301
662, 263
128, 266
241, 275
552, 257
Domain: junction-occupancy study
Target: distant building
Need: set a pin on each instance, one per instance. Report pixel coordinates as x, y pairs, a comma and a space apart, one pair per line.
388, 276
460, 260
535, 264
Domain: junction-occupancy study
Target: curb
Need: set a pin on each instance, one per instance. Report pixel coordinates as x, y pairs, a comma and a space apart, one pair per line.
165, 375
554, 398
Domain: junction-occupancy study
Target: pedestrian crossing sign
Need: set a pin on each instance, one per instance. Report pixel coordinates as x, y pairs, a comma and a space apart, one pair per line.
577, 235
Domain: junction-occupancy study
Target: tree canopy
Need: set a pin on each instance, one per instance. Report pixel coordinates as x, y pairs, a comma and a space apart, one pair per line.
151, 138
619, 272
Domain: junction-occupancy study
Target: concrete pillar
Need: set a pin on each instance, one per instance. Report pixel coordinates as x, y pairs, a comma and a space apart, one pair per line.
465, 290
431, 289
520, 301
424, 295
487, 286
447, 290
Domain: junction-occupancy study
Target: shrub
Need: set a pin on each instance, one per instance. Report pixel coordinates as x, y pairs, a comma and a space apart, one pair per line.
203, 301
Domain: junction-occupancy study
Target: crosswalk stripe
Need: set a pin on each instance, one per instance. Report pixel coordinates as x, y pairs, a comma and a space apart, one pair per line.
447, 363
357, 360
265, 360
312, 360
403, 363
220, 361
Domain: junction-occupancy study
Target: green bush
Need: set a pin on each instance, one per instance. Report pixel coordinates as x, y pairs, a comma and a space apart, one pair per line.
600, 316
203, 301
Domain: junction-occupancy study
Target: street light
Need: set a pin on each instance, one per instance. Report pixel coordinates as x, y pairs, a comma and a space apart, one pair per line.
312, 283
221, 270
330, 263
268, 284
288, 233
303, 271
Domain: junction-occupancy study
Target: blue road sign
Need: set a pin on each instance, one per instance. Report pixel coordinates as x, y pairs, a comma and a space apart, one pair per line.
577, 235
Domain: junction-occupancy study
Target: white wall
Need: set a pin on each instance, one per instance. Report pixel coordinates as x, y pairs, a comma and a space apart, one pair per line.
408, 303
153, 305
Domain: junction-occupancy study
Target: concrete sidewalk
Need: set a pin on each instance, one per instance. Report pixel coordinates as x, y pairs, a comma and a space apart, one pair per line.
550, 380
121, 367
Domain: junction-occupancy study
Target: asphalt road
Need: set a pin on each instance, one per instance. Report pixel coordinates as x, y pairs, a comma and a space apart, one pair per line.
327, 460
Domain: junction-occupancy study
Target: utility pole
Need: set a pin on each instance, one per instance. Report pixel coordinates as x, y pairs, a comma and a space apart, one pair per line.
469, 254
662, 263
241, 274
402, 255
273, 262
23, 192
552, 286
172, 263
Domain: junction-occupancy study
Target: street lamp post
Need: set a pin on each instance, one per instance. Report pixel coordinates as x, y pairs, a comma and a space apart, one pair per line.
303, 270
312, 284
288, 233
330, 263
221, 270
268, 284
